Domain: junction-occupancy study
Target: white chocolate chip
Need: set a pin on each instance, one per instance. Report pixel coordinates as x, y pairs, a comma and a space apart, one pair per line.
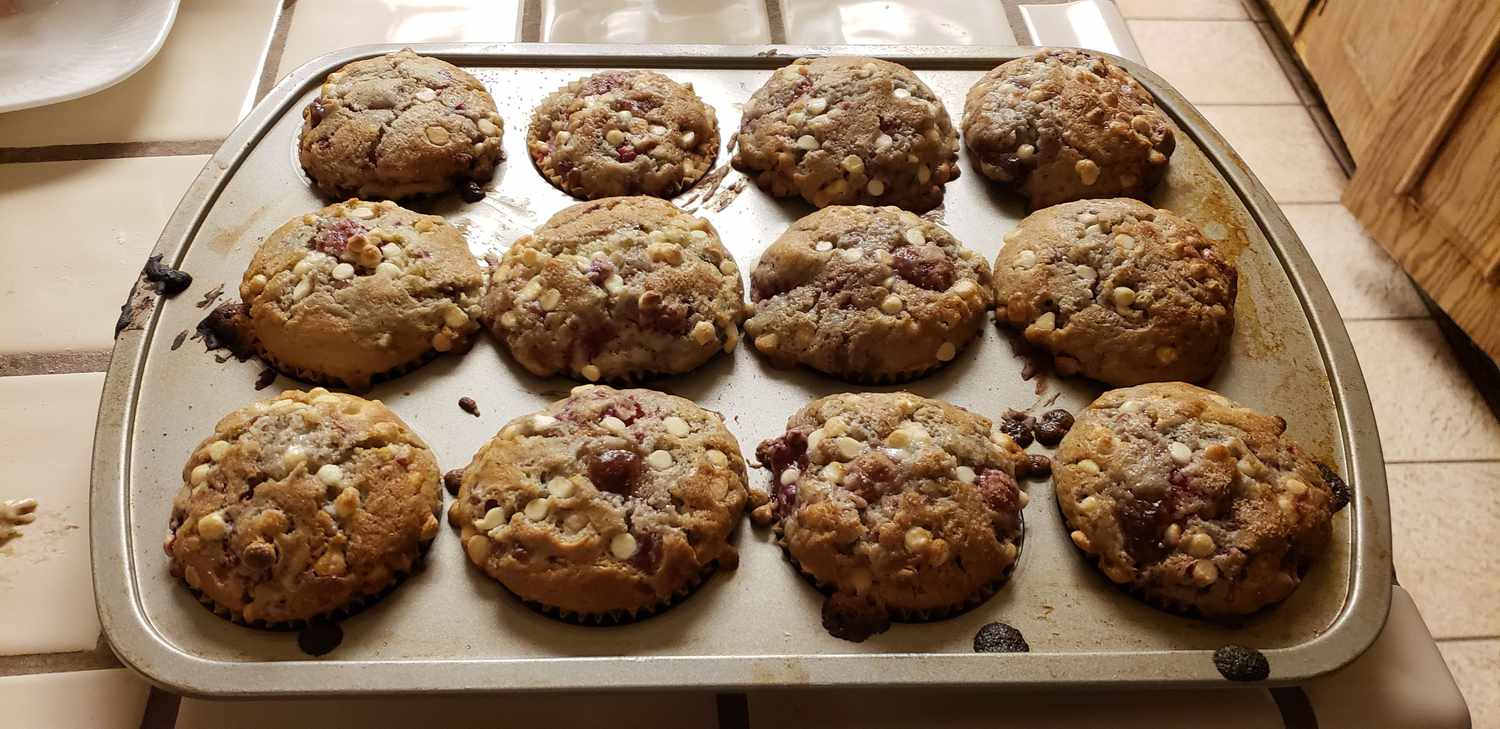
491, 519
1131, 406
343, 272
590, 372
914, 236
807, 142
542, 422
613, 424
388, 268
1088, 466
536, 509
212, 527
560, 487
1025, 151
847, 447
727, 267
817, 106
1295, 487
852, 254
676, 426
302, 289
614, 136
900, 93
1181, 454
1205, 573
614, 284
965, 474
833, 472
917, 538
659, 460
946, 352
1088, 171
875, 187
892, 305
790, 476
219, 448
883, 141
1123, 297
1199, 545
689, 139
200, 473
1026, 259
622, 546
924, 174
488, 128
426, 95
898, 438
716, 458
330, 474
835, 426
823, 246
1046, 322
454, 317
362, 212
550, 299
1089, 275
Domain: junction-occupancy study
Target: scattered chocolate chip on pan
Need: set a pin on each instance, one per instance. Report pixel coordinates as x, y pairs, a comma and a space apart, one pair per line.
452, 480
1341, 493
1238, 663
468, 405
1000, 638
1052, 426
169, 281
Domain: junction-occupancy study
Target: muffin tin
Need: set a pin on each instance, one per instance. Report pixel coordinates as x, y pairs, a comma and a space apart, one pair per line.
449, 628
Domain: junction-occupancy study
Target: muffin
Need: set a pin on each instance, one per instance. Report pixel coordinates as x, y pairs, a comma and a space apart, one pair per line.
896, 505
399, 125
867, 294
1062, 125
617, 289
1118, 291
1195, 503
623, 133
308, 505
361, 291
608, 506
848, 130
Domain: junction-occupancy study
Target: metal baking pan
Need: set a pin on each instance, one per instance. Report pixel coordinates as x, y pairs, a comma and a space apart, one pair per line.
450, 629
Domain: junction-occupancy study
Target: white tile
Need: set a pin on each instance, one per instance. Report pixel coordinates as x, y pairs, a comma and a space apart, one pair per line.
46, 592
322, 26
197, 87
1197, 9
112, 699
1283, 148
1476, 665
655, 21
1366, 282
1425, 405
1437, 510
900, 709
576, 710
939, 22
1213, 62
86, 227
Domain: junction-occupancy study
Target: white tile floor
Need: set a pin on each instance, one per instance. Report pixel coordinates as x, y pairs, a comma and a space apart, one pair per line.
1441, 442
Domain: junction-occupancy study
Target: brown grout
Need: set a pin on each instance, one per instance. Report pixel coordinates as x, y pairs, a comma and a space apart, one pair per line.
106, 150
90, 660
54, 363
161, 710
531, 21
776, 20
270, 71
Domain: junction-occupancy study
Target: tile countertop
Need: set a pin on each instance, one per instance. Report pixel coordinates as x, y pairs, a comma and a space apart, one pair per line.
114, 165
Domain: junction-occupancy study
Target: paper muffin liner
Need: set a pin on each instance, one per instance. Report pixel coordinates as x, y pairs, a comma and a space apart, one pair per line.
906, 615
354, 606
618, 617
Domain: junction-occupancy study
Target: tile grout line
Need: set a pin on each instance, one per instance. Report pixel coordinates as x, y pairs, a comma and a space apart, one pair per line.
531, 21
1470, 639
106, 150
776, 21
270, 72
54, 363
1441, 462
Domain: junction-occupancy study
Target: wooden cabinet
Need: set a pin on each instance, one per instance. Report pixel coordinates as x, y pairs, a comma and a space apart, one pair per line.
1414, 88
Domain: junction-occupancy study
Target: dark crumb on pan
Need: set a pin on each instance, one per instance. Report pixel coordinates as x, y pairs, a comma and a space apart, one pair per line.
468, 405
228, 327
1341, 493
1019, 426
1036, 466
1000, 638
854, 618
169, 281
210, 295
179, 339
1238, 663
266, 377
320, 637
471, 192
1052, 426
452, 480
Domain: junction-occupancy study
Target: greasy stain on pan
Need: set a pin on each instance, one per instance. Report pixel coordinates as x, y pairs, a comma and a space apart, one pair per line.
449, 628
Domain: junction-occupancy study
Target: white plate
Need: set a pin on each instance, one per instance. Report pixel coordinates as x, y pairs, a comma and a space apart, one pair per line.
56, 50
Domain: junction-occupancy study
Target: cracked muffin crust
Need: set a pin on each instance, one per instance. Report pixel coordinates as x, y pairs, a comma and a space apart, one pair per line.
1118, 291
1065, 125
899, 505
848, 130
1192, 501
617, 289
399, 125
867, 294
606, 506
360, 291
307, 505
623, 133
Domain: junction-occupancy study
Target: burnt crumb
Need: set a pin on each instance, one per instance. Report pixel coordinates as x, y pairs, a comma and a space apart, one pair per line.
209, 296
1238, 663
179, 339
1052, 426
320, 637
1341, 493
227, 327
452, 480
1036, 466
471, 192
1019, 426
265, 378
854, 618
468, 405
169, 281
1000, 638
